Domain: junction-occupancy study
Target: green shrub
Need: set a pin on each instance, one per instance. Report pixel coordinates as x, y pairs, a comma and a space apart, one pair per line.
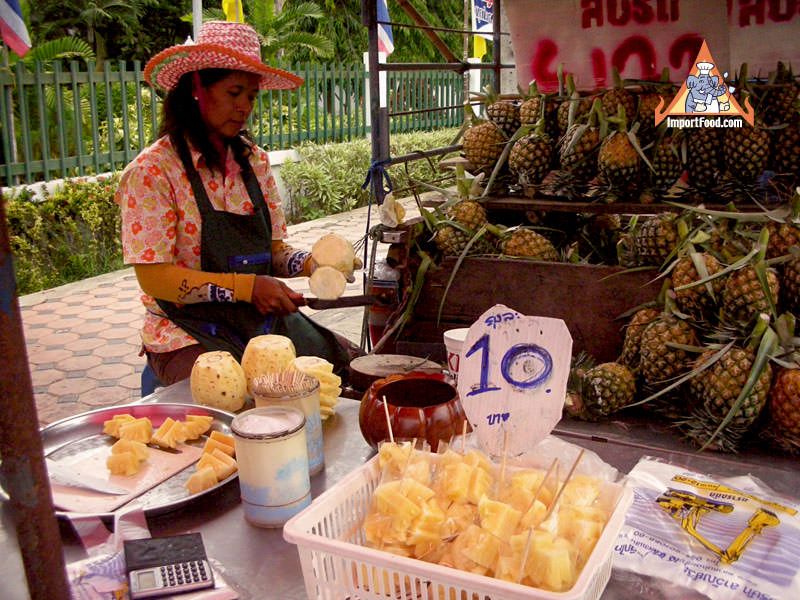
67, 236
328, 177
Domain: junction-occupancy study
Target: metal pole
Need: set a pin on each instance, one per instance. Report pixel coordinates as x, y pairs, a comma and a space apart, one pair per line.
497, 50
197, 18
23, 467
12, 134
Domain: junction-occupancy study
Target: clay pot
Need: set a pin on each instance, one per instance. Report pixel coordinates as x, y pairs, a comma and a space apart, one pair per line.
421, 405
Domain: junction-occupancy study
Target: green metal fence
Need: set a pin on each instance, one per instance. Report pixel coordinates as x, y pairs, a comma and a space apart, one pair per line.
66, 120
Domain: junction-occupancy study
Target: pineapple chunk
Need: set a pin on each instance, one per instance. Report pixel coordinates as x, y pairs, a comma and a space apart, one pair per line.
162, 436
534, 516
138, 448
178, 432
204, 424
426, 528
376, 528
458, 518
202, 479
212, 444
476, 458
553, 567
581, 490
479, 546
221, 437
415, 491
582, 534
224, 466
419, 469
111, 427
530, 481
498, 517
479, 485
392, 502
394, 454
508, 563
124, 463
456, 482
139, 430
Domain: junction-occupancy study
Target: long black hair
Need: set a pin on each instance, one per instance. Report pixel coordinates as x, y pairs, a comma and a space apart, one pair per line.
180, 117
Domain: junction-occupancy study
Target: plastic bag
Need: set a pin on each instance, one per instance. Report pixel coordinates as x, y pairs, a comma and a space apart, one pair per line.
726, 538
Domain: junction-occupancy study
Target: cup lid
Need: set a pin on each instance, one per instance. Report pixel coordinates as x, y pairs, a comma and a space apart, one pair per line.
268, 422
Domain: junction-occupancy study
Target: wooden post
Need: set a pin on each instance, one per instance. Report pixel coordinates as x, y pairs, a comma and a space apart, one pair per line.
23, 467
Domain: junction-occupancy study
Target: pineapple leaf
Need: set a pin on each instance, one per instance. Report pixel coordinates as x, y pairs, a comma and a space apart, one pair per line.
765, 349
635, 143
761, 272
779, 214
460, 260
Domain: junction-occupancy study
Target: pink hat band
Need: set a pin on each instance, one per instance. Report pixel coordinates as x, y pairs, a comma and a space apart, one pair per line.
220, 45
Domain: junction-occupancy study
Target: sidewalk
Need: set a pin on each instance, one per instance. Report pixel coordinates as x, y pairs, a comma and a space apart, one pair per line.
82, 339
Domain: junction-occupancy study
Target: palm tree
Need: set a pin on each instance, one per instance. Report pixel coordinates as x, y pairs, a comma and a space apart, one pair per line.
98, 15
280, 26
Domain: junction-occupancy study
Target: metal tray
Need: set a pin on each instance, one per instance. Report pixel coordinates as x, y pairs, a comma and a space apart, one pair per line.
84, 432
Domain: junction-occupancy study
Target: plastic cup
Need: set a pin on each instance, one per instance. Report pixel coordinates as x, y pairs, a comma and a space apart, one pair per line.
453, 340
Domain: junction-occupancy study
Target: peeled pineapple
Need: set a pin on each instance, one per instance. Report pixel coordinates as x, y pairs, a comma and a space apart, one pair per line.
329, 383
327, 283
217, 380
334, 251
265, 355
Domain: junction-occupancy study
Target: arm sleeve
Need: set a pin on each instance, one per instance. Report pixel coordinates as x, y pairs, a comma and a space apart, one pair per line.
170, 282
290, 262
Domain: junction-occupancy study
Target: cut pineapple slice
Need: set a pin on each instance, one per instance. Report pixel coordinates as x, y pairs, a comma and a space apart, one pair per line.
415, 491
498, 517
223, 467
581, 490
426, 528
534, 516
553, 567
111, 427
206, 420
212, 444
218, 436
202, 479
124, 463
582, 534
479, 546
327, 283
139, 430
231, 465
456, 480
162, 437
138, 448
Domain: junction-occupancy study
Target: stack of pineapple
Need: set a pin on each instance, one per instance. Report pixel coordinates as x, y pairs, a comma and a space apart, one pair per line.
560, 144
455, 509
717, 351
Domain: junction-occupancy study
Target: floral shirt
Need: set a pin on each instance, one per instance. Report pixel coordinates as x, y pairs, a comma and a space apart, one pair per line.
161, 222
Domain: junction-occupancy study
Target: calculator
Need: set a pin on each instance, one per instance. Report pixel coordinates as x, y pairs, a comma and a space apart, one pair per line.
167, 565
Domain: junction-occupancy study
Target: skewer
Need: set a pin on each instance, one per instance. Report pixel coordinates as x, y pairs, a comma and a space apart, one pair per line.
463, 436
388, 420
503, 460
563, 485
553, 466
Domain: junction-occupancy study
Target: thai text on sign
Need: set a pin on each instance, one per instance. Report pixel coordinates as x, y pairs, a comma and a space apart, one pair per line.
642, 37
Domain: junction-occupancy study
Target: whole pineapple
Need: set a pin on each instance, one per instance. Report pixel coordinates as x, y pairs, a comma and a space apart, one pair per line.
667, 166
784, 409
466, 218
743, 297
786, 151
528, 243
659, 361
505, 114
705, 156
790, 287
618, 97
746, 152
632, 342
618, 161
531, 157
575, 104
576, 152
782, 236
483, 145
536, 106
645, 111
777, 96
604, 389
655, 239
721, 385
699, 301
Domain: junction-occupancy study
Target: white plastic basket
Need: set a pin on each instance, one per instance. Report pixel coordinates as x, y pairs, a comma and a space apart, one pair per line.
338, 566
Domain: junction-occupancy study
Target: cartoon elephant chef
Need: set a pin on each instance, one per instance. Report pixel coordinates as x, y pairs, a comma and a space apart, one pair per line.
704, 91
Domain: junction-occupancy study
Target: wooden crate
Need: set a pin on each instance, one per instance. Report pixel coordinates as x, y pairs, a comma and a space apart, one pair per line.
584, 296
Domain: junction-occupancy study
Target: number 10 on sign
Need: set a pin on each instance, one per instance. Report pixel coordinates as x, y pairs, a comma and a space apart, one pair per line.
513, 378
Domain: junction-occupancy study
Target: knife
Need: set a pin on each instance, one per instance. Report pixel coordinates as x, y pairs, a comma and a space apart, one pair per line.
64, 475
342, 302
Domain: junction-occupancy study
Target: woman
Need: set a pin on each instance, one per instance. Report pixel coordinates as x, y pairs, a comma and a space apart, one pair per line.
201, 216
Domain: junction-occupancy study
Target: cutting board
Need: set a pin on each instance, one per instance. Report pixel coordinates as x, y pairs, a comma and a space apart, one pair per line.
158, 467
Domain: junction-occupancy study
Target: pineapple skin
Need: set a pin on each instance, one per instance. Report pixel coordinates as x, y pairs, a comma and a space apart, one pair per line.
743, 298
579, 160
631, 344
608, 388
483, 145
529, 244
697, 301
655, 239
618, 163
746, 153
784, 403
658, 361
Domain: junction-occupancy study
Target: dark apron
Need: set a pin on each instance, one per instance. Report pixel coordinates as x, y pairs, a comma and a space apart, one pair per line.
242, 244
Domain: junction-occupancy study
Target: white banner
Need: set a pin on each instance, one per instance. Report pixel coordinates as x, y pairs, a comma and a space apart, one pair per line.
641, 37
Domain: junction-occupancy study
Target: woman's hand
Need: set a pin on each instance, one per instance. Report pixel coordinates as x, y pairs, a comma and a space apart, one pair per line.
271, 295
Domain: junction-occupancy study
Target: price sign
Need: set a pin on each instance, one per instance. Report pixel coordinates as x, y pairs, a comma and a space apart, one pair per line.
512, 378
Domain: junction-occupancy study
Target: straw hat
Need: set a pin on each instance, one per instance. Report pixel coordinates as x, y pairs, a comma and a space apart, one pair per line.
220, 45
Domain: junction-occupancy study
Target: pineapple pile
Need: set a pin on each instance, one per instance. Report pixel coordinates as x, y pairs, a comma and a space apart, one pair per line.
460, 510
557, 144
716, 353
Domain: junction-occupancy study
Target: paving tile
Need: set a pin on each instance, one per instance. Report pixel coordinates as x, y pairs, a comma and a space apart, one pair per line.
114, 333
132, 381
49, 411
44, 377
36, 318
109, 371
48, 356
78, 298
68, 386
116, 349
98, 314
48, 306
71, 310
98, 301
124, 318
106, 396
80, 363
130, 305
85, 344
58, 340
89, 328
66, 323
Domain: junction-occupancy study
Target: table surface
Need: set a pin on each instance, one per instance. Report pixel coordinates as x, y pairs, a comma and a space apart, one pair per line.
259, 564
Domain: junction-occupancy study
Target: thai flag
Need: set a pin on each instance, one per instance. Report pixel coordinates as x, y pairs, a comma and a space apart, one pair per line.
12, 26
385, 39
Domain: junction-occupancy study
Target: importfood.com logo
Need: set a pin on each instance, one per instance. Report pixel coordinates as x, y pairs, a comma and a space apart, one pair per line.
705, 100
